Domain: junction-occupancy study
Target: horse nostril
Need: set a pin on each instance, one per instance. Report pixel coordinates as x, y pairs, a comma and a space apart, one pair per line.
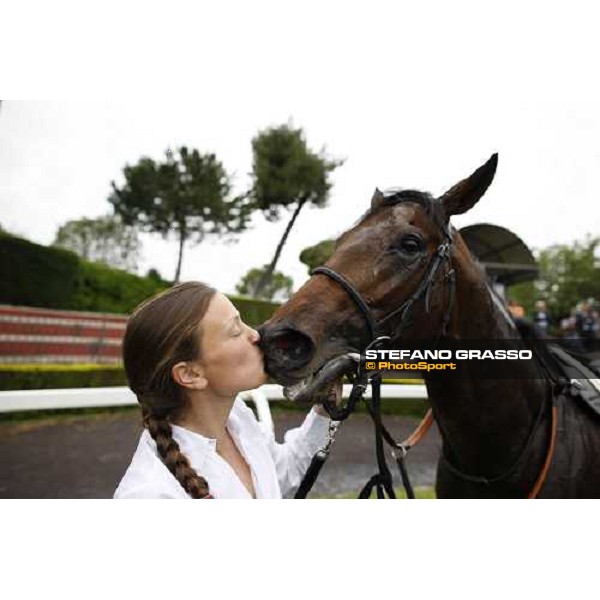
290, 348
282, 343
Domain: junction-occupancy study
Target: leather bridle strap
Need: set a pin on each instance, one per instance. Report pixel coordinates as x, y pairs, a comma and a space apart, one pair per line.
351, 291
551, 446
442, 254
514, 466
419, 433
382, 480
403, 447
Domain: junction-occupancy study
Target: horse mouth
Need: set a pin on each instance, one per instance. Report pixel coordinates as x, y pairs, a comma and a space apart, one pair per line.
316, 386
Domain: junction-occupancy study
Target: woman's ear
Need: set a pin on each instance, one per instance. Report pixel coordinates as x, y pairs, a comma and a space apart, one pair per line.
189, 375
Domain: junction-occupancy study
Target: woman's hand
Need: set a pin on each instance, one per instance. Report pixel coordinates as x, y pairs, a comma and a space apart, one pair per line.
334, 397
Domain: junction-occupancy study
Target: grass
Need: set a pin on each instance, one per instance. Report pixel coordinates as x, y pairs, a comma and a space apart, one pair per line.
421, 493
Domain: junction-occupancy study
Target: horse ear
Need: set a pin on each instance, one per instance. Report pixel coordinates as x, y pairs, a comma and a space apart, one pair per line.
465, 194
377, 199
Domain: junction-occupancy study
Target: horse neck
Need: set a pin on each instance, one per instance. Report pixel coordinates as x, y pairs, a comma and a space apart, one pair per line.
484, 422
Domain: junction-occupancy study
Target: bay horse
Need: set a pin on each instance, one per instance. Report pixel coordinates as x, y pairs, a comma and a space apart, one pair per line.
414, 275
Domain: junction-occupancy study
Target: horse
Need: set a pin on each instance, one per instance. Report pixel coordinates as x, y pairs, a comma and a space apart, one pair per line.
404, 271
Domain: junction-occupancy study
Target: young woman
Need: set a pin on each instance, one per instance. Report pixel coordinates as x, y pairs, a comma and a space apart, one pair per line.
187, 354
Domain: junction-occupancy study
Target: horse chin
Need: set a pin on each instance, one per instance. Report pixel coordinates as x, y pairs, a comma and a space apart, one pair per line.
317, 385
291, 392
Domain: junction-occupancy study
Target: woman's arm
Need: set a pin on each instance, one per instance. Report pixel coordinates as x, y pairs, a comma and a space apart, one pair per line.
293, 457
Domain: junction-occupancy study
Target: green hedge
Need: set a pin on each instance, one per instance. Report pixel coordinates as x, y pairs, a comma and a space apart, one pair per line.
35, 275
47, 277
253, 312
42, 377
103, 289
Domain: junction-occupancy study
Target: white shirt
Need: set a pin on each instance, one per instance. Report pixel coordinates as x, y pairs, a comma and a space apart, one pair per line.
277, 469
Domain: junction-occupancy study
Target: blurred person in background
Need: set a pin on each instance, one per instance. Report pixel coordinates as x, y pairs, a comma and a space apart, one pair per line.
587, 324
515, 309
541, 316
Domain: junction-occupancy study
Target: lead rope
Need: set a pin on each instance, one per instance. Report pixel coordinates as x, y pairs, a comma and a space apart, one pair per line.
400, 450
317, 463
337, 416
403, 448
382, 479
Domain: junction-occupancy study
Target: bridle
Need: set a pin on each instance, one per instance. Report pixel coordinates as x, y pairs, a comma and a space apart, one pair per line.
376, 328
377, 334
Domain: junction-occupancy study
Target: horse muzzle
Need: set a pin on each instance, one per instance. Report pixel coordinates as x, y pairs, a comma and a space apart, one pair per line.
287, 352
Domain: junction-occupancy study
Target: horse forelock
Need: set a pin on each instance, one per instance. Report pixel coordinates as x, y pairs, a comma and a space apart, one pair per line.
432, 206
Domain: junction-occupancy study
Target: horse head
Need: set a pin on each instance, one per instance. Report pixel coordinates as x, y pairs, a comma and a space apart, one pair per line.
396, 261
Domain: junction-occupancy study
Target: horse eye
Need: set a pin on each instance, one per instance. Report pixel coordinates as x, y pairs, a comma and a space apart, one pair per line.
411, 244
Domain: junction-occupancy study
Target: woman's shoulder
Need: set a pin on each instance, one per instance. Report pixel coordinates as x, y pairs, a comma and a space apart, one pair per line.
147, 476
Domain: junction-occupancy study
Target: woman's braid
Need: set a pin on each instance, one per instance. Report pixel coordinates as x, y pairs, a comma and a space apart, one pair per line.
168, 449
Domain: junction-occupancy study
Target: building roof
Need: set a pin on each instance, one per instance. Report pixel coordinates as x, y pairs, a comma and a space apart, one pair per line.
505, 257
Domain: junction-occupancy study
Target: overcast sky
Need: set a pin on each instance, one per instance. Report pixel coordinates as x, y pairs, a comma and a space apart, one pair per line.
415, 97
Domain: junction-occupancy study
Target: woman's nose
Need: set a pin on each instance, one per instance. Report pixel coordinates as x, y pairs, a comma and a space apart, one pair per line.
254, 336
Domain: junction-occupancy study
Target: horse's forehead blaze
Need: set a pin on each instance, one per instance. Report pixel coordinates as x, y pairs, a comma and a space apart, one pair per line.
397, 218
355, 248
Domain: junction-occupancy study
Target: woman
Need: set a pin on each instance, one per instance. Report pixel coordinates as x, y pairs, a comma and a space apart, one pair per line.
187, 355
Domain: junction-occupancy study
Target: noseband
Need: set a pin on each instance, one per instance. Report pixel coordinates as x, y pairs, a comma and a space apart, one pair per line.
441, 256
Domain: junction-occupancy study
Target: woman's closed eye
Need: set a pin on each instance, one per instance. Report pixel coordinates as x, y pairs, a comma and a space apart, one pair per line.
236, 328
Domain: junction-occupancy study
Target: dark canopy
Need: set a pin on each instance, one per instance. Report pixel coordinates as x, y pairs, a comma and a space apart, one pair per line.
505, 256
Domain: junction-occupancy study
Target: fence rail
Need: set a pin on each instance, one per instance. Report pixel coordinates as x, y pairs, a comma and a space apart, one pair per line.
25, 400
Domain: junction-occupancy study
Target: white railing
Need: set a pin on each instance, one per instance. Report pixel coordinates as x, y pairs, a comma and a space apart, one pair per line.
25, 400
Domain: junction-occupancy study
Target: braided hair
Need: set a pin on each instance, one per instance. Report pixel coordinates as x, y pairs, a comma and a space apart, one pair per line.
168, 449
161, 332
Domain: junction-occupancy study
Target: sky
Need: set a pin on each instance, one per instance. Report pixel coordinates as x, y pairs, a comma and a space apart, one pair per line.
409, 96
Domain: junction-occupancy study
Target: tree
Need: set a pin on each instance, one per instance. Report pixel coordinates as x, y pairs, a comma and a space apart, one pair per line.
186, 196
317, 255
105, 239
287, 175
154, 275
568, 274
278, 288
